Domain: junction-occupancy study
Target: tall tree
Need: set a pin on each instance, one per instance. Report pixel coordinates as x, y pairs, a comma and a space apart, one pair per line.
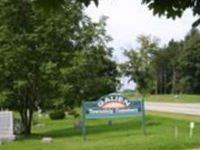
174, 51
190, 62
166, 65
92, 67
173, 68
138, 67
34, 47
177, 65
39, 54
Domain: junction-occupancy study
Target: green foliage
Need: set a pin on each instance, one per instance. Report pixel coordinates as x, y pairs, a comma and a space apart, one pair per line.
169, 8
173, 68
178, 65
138, 67
57, 4
190, 63
92, 65
173, 9
33, 48
51, 60
167, 68
57, 115
74, 113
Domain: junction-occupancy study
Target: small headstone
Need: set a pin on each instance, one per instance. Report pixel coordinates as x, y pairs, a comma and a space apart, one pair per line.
6, 126
66, 113
39, 112
47, 139
176, 96
40, 125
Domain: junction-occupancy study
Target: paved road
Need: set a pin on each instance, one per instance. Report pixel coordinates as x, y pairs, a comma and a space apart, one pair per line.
190, 109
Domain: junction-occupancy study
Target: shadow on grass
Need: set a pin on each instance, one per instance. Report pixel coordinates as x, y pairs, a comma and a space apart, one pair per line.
153, 123
97, 127
135, 126
94, 129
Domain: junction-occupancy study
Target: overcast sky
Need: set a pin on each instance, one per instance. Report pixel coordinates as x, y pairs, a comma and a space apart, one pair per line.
129, 18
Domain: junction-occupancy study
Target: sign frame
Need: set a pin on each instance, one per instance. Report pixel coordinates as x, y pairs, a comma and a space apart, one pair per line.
140, 113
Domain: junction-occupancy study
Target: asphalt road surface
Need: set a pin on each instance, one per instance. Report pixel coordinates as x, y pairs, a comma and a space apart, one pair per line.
181, 108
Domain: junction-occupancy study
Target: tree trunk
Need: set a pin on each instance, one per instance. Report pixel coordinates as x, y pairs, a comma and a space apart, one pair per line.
160, 82
173, 79
26, 116
157, 82
156, 86
165, 81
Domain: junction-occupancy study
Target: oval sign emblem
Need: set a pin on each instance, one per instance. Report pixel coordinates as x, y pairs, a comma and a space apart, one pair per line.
113, 101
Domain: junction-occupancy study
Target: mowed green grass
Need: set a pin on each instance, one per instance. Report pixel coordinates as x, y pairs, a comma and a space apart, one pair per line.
124, 134
182, 98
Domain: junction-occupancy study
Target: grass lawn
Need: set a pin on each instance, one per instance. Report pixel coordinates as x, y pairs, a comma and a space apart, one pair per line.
182, 98
124, 134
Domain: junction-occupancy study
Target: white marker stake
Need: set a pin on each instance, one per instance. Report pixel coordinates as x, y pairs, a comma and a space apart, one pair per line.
191, 129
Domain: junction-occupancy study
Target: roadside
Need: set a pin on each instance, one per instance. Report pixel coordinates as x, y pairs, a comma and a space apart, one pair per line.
175, 116
180, 108
181, 98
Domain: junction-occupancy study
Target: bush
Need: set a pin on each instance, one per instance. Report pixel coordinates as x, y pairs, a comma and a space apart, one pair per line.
56, 115
74, 113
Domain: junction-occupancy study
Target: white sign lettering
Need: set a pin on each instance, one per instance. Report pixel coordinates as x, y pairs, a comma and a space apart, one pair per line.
113, 102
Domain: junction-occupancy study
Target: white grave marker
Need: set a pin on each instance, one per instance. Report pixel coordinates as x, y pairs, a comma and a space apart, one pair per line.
47, 139
6, 126
176, 131
191, 129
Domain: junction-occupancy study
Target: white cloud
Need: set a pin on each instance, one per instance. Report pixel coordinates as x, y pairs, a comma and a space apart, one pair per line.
129, 19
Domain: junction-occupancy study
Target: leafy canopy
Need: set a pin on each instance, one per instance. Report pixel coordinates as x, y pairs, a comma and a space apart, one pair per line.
51, 61
169, 8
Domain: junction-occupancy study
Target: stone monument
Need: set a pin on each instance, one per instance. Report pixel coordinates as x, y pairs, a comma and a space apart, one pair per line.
6, 126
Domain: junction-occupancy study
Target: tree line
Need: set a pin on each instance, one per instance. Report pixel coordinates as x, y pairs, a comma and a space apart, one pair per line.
173, 68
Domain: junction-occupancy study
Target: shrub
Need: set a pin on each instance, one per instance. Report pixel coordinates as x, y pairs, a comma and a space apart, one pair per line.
74, 113
56, 115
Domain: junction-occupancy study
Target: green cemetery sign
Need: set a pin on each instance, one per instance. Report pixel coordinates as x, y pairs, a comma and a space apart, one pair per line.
112, 105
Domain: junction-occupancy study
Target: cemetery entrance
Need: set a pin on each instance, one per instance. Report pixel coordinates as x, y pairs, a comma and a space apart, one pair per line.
112, 105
